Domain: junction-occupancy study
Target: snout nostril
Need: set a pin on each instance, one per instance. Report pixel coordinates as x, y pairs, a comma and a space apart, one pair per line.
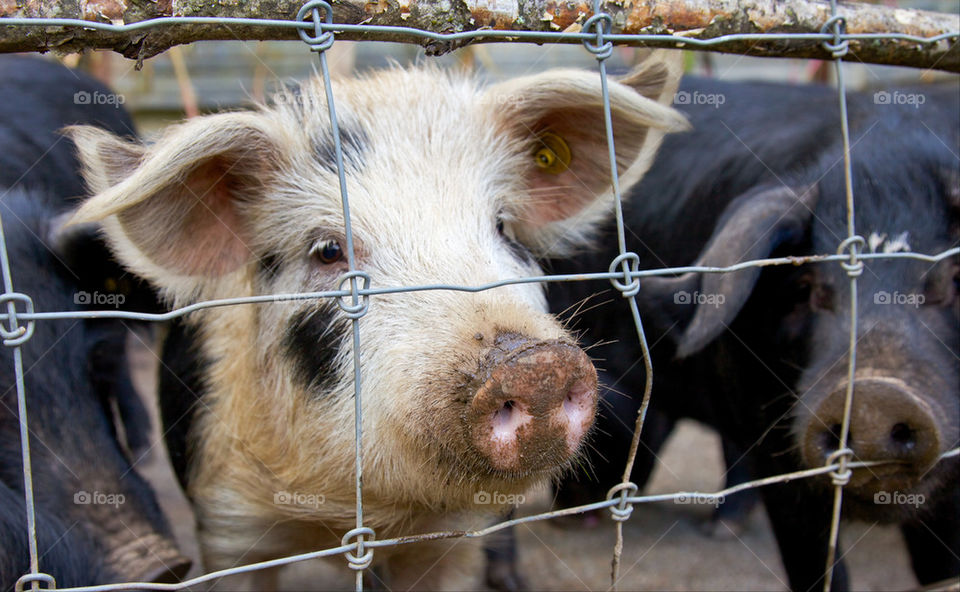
903, 436
502, 415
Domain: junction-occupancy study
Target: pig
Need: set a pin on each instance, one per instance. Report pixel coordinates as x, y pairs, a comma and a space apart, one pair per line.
761, 354
468, 398
87, 423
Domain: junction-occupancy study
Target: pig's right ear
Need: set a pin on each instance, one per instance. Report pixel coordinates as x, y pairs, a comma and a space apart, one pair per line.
752, 227
557, 120
174, 212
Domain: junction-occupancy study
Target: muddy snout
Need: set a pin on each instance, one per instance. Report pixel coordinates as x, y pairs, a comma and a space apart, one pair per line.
535, 405
888, 421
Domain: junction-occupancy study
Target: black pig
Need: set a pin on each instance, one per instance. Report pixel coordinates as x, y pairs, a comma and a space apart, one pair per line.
761, 354
97, 520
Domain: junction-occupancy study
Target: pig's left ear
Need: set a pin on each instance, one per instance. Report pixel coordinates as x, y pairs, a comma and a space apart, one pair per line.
557, 118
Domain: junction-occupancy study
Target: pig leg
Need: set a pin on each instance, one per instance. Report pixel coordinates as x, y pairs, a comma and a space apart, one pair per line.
934, 540
801, 525
501, 553
730, 517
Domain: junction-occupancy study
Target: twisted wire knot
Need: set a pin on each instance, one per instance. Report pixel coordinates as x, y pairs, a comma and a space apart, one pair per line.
628, 287
853, 267
16, 334
841, 456
601, 23
354, 311
26, 579
621, 512
837, 25
363, 557
320, 40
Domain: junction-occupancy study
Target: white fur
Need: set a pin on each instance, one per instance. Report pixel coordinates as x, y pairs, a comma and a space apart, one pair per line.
439, 167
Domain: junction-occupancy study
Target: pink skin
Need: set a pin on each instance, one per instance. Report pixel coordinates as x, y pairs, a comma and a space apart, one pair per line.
536, 404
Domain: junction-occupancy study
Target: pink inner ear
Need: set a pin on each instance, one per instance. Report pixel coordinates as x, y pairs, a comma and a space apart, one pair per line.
561, 196
194, 226
556, 197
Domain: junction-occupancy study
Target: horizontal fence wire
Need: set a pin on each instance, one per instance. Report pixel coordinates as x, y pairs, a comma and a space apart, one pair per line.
499, 526
355, 292
528, 36
539, 279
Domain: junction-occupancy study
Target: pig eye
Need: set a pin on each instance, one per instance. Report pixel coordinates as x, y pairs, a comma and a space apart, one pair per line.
327, 251
552, 154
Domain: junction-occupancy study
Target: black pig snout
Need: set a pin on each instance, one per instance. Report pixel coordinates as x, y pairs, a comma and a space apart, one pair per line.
889, 421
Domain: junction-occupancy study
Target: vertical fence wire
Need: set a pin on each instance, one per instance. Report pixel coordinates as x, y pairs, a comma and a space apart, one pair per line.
15, 336
628, 287
361, 558
853, 267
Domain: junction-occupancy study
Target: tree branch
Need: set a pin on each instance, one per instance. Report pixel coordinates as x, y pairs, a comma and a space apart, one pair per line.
691, 19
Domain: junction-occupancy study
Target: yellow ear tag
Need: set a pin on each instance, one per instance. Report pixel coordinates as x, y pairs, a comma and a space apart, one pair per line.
552, 155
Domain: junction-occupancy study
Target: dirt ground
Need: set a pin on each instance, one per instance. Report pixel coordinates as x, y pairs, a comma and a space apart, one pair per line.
664, 547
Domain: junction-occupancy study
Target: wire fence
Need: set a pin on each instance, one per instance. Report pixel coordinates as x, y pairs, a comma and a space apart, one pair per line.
314, 23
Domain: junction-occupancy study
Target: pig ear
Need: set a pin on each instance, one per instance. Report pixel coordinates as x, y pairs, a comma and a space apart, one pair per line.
753, 226
561, 112
176, 208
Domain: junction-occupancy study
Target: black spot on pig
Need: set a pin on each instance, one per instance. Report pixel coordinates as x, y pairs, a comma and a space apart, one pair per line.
353, 143
312, 340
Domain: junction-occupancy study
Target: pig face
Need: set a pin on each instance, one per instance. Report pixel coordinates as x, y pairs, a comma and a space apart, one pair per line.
906, 406
906, 401
448, 184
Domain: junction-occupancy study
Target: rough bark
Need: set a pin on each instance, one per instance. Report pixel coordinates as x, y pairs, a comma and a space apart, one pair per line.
694, 19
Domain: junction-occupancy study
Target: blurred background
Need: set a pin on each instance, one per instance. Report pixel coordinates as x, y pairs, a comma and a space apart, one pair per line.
214, 75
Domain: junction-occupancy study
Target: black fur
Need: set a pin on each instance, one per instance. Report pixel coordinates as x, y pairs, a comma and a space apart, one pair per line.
85, 417
311, 342
353, 143
768, 135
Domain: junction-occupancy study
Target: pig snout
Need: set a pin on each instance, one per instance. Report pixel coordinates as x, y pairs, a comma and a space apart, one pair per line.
534, 406
888, 421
